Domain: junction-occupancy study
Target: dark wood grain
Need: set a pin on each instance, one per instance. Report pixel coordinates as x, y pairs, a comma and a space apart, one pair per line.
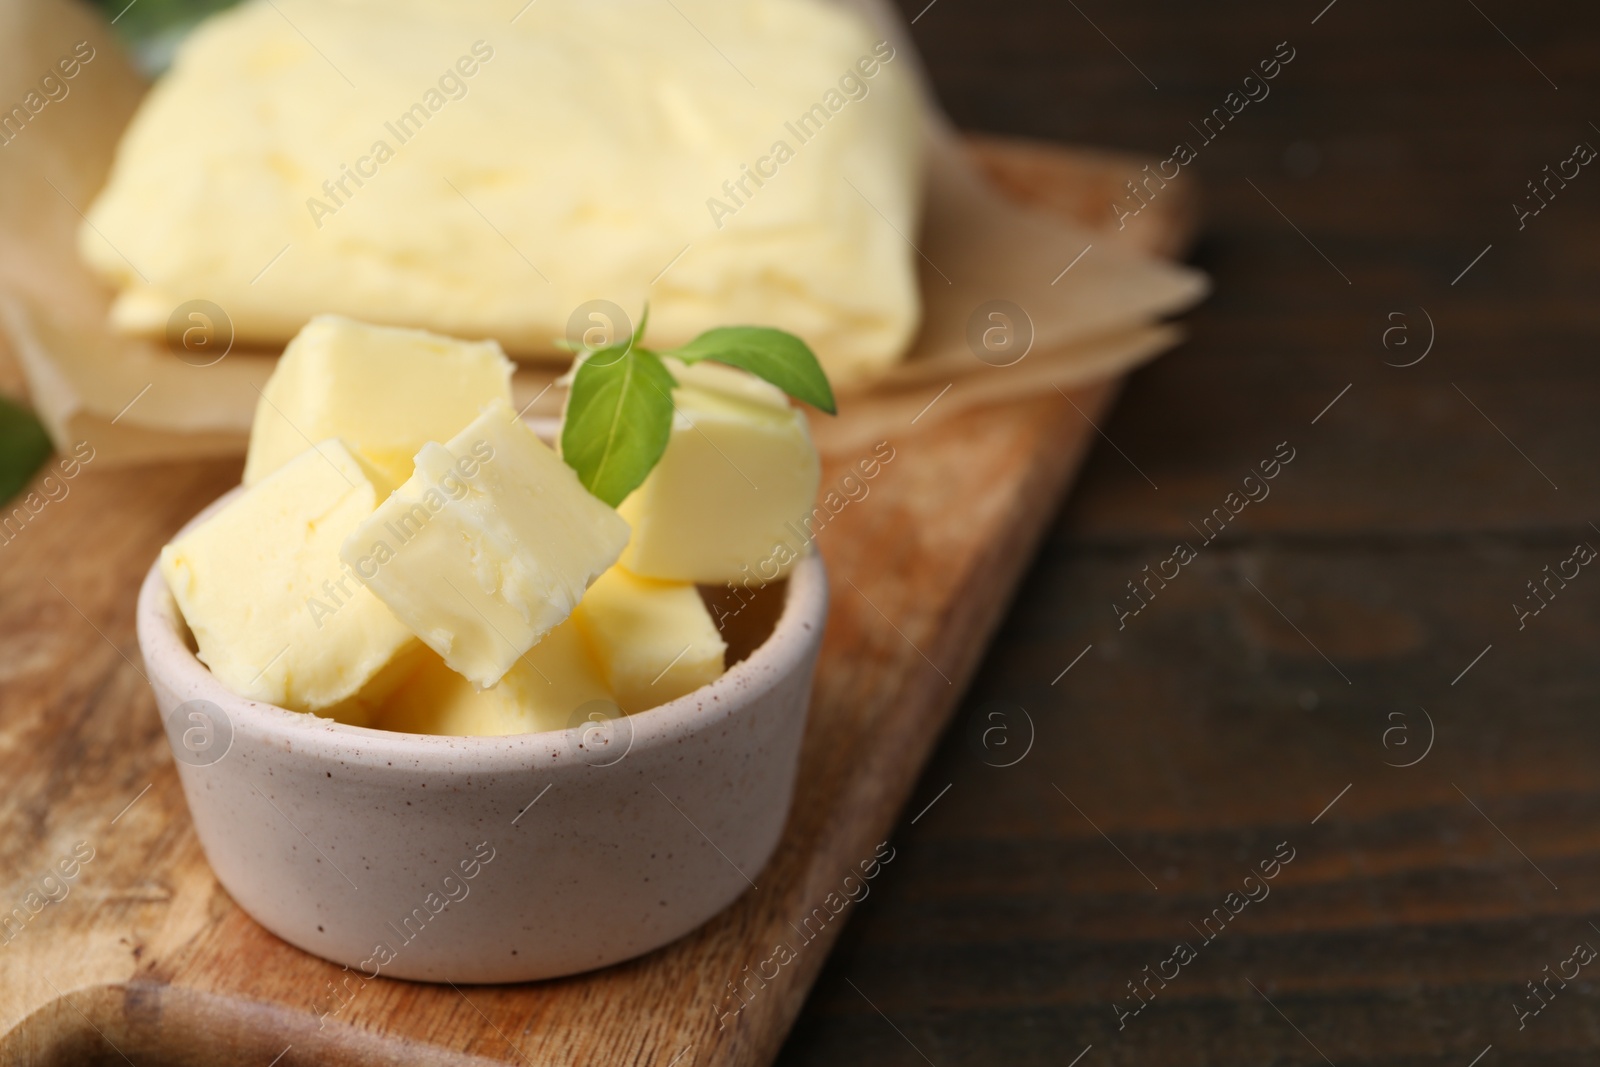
1211, 728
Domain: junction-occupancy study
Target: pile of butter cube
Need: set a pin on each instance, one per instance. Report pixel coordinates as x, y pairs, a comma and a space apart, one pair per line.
407, 554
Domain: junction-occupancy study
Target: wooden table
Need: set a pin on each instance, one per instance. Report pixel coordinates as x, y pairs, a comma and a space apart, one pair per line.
1261, 686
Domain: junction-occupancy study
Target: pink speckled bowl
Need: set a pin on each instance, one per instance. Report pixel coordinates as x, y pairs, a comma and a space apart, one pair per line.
490, 859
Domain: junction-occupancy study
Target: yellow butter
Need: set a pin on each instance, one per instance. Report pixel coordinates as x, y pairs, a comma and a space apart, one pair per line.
552, 687
728, 500
487, 546
384, 391
442, 164
274, 613
655, 641
363, 707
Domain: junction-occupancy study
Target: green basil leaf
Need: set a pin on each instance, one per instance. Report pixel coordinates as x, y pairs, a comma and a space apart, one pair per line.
24, 446
619, 417
781, 358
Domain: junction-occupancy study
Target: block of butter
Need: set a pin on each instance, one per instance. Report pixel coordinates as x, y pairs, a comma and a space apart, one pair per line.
550, 688
273, 611
446, 165
384, 392
487, 546
655, 641
730, 498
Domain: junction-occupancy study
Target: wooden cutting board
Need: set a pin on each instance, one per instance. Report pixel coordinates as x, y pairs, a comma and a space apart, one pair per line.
143, 958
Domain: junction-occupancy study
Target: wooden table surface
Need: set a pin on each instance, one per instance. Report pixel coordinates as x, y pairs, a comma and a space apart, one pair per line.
1260, 695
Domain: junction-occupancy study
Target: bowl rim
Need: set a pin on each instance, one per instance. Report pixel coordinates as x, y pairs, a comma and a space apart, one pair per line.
169, 661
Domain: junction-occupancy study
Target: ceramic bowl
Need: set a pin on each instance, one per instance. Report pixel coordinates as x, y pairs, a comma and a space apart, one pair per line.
490, 859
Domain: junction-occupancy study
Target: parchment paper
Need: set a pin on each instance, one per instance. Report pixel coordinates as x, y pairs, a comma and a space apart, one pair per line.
136, 401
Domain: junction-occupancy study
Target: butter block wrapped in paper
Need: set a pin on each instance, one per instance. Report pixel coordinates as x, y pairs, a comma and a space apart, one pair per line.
479, 171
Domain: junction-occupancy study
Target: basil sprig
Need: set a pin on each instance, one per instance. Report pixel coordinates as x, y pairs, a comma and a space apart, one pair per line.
619, 414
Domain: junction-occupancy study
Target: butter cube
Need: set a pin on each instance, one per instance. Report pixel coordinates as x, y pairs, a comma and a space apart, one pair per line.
730, 496
363, 708
274, 612
487, 546
385, 392
655, 640
543, 691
